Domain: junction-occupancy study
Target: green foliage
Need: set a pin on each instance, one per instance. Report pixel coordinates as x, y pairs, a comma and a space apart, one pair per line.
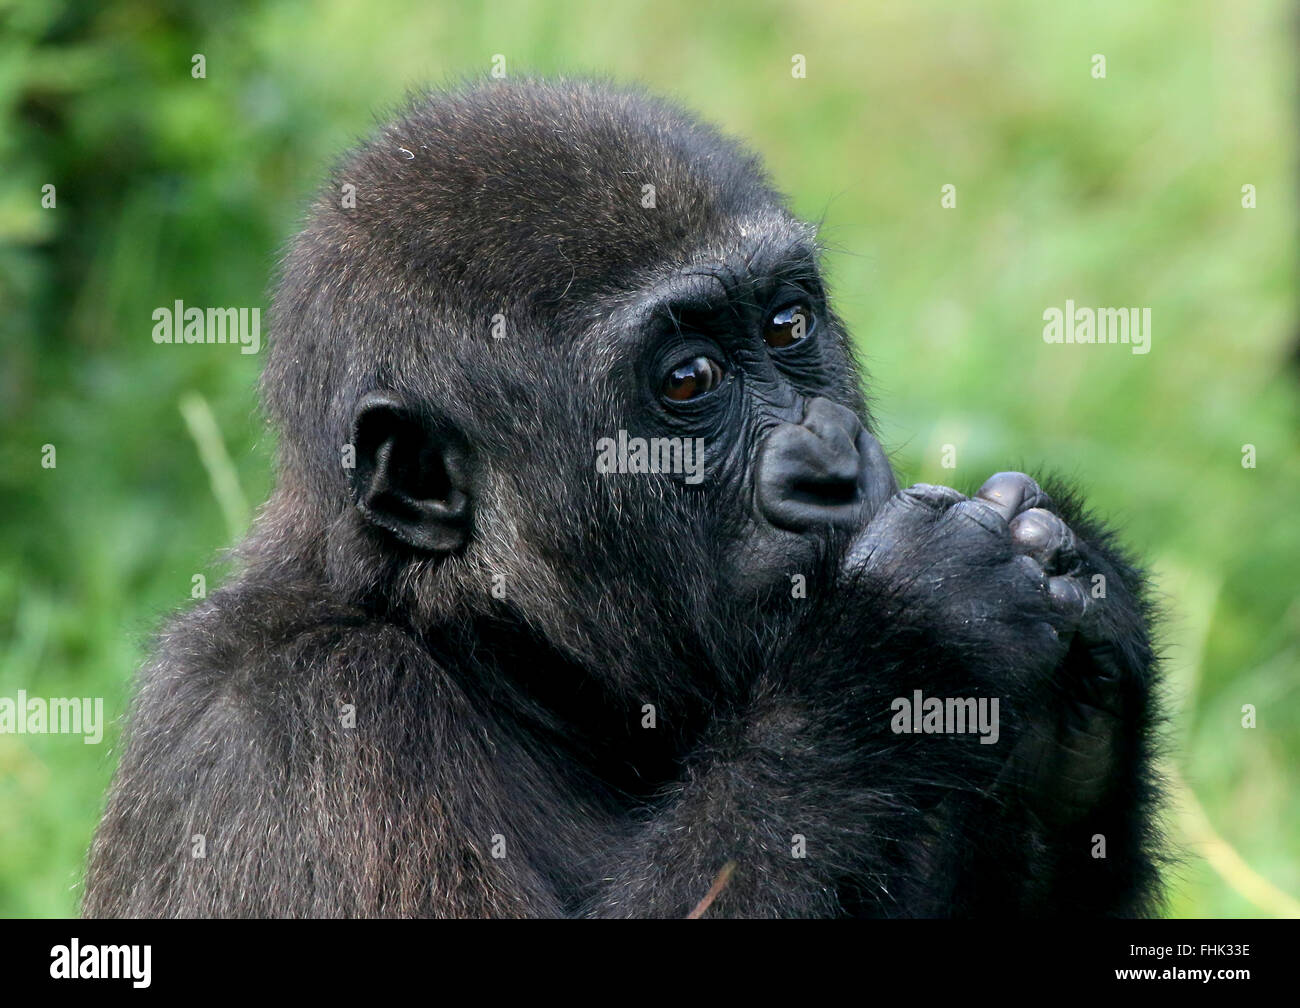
1120, 191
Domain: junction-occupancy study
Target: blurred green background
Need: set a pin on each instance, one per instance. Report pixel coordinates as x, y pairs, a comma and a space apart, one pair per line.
1114, 192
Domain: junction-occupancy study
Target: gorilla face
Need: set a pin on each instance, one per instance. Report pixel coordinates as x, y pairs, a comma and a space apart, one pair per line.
738, 352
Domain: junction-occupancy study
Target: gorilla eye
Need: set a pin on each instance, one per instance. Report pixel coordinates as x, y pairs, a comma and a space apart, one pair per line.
789, 325
691, 379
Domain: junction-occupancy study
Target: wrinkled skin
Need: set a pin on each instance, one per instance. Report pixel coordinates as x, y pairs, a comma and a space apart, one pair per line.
476, 673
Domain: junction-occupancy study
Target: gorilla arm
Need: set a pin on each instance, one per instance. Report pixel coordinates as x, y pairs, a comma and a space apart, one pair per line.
329, 774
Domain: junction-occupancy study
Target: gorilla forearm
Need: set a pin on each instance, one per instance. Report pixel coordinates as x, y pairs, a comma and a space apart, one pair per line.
778, 800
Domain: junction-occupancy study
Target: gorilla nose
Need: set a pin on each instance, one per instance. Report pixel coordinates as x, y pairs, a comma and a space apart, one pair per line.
825, 470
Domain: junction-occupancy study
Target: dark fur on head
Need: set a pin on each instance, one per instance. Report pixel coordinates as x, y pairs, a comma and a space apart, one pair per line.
523, 199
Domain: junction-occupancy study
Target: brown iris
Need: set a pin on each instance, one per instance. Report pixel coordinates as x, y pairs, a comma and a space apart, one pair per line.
691, 379
788, 325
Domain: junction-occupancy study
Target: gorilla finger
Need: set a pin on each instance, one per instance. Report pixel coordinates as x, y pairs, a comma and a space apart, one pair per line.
1068, 597
931, 495
897, 520
1084, 769
1103, 687
878, 483
980, 513
1046, 538
1011, 493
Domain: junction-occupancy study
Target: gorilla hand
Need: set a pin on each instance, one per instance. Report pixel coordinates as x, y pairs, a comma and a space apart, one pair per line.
1000, 574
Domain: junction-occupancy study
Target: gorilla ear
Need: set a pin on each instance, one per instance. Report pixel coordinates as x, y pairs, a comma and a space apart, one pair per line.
411, 474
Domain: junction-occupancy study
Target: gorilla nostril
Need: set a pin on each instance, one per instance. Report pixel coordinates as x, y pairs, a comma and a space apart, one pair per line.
825, 491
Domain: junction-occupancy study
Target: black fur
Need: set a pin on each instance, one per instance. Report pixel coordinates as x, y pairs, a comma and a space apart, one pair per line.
483, 720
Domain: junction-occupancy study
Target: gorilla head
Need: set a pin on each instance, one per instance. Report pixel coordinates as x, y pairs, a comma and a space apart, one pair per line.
519, 279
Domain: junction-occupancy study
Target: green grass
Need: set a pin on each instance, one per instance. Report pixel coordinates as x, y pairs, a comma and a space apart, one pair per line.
1122, 191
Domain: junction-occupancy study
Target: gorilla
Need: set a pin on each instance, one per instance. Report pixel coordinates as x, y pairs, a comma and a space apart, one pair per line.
587, 590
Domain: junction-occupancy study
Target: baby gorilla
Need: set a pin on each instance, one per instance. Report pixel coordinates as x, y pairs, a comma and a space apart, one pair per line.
587, 590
